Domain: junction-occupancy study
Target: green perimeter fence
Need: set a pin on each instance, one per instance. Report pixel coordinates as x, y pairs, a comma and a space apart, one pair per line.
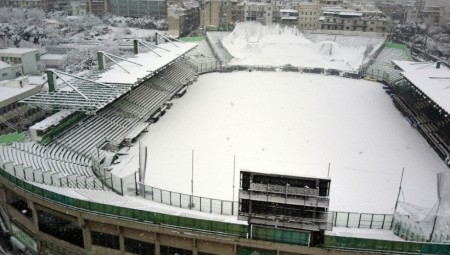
129, 213
232, 229
385, 245
238, 230
280, 235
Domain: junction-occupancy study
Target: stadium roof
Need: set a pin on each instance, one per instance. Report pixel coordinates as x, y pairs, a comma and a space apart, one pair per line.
102, 87
84, 95
150, 62
432, 81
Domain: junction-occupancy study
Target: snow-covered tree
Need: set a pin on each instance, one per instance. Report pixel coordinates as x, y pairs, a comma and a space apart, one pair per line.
33, 34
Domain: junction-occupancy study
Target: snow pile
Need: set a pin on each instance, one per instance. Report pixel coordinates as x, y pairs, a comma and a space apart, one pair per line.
254, 44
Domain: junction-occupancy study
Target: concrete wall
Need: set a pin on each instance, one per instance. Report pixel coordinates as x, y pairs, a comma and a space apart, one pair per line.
159, 235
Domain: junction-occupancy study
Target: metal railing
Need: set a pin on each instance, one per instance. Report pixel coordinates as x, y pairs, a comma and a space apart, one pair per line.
238, 230
196, 203
363, 220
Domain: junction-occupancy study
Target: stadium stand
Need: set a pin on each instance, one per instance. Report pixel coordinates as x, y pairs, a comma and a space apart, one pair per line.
214, 40
129, 112
383, 69
201, 57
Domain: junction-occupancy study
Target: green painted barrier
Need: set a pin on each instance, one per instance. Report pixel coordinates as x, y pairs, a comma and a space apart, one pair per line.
193, 39
280, 235
385, 245
49, 136
287, 236
12, 137
133, 214
400, 47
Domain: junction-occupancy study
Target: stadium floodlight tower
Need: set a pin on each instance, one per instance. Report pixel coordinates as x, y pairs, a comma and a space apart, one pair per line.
283, 201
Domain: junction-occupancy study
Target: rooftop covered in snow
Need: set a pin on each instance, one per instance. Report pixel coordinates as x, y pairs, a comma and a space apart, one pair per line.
4, 65
97, 89
11, 94
432, 79
16, 51
145, 63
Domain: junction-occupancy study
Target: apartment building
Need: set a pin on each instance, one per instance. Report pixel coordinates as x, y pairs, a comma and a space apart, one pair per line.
41, 4
308, 15
218, 13
98, 7
289, 17
27, 58
15, 116
338, 18
431, 15
263, 12
6, 71
183, 18
138, 9
72, 7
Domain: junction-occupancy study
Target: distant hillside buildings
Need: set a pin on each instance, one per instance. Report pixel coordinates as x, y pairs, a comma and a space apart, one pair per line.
431, 12
186, 16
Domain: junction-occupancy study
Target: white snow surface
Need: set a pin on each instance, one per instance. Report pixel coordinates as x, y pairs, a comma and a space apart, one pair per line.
251, 43
290, 123
17, 51
4, 65
52, 120
146, 63
432, 81
53, 57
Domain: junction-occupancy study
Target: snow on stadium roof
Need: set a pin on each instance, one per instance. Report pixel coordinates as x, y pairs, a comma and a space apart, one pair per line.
432, 81
52, 120
150, 63
87, 96
103, 87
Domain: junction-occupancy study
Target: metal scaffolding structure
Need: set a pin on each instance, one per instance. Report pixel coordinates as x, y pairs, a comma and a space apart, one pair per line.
81, 94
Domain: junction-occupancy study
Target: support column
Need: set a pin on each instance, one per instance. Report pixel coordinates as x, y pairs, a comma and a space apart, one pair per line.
135, 46
157, 245
194, 247
51, 81
86, 234
30, 205
121, 241
101, 60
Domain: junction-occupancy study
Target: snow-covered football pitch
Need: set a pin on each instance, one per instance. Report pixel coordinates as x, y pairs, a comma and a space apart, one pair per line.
295, 124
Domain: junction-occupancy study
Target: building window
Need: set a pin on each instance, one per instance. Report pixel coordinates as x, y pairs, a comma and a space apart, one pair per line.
105, 240
61, 228
139, 247
173, 250
4, 74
